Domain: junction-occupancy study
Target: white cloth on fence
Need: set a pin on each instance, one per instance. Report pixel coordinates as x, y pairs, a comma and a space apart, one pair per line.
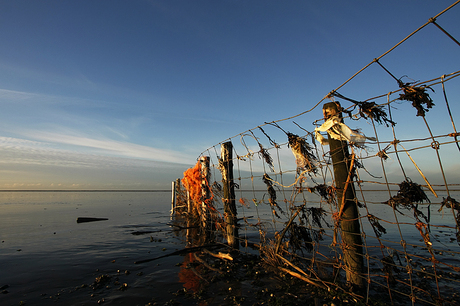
339, 131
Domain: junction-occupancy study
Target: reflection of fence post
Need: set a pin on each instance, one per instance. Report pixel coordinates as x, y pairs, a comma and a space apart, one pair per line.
351, 231
229, 194
205, 194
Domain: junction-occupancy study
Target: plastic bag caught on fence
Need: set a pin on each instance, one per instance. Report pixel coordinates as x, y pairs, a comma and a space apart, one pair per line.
339, 131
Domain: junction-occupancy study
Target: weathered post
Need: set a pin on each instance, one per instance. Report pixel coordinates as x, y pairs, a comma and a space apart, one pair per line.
229, 194
351, 231
173, 194
205, 195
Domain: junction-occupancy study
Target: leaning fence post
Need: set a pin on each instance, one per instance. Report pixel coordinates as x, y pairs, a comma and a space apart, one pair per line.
351, 231
229, 194
205, 194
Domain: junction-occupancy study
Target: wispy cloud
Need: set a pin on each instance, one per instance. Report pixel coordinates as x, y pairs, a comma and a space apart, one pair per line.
49, 144
81, 126
111, 147
26, 164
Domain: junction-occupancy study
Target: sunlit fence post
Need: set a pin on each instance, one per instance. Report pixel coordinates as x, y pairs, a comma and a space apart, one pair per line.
205, 195
229, 194
346, 200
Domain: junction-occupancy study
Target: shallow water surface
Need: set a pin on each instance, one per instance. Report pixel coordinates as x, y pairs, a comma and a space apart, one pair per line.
46, 255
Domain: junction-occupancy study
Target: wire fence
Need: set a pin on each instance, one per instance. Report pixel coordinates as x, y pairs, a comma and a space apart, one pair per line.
389, 228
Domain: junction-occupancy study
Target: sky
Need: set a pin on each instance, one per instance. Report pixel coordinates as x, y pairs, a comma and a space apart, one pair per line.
116, 94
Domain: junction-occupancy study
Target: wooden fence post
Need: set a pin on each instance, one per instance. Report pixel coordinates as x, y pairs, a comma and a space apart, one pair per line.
205, 195
352, 245
173, 195
229, 194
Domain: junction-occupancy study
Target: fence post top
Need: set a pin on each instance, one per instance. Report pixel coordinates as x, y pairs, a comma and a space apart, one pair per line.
330, 109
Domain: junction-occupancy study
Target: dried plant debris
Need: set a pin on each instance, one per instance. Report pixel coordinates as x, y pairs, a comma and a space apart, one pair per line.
303, 152
367, 110
425, 233
410, 194
301, 238
389, 266
272, 194
317, 215
383, 154
326, 192
375, 112
378, 228
449, 203
272, 142
418, 96
453, 204
216, 186
263, 153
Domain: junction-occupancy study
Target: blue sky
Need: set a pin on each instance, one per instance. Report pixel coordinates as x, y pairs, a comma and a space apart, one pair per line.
126, 94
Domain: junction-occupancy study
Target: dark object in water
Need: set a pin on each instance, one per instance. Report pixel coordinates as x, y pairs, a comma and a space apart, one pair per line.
143, 232
88, 219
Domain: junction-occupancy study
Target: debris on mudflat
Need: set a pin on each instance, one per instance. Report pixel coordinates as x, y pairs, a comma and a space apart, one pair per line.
88, 219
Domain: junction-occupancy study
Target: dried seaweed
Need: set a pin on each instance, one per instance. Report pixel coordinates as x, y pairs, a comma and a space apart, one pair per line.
417, 95
326, 192
425, 233
300, 237
383, 154
217, 186
389, 266
452, 203
449, 203
378, 228
375, 112
266, 156
367, 110
272, 194
305, 158
272, 142
317, 215
408, 197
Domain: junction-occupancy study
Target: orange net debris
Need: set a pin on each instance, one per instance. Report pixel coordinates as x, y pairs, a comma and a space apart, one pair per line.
192, 182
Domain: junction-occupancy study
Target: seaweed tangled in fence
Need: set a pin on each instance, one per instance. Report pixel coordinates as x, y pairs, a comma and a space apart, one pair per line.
272, 142
375, 112
389, 266
266, 156
325, 192
425, 233
379, 230
272, 194
417, 95
453, 204
408, 197
300, 238
317, 215
366, 110
304, 156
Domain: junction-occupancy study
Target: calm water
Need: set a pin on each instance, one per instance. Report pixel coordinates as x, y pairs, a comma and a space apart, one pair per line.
47, 257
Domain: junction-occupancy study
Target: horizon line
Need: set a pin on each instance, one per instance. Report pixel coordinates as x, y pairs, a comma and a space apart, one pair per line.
147, 190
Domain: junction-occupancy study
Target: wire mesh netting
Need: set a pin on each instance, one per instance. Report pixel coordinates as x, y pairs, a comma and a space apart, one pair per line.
400, 150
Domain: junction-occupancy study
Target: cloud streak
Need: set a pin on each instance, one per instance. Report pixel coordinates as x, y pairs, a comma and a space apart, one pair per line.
47, 142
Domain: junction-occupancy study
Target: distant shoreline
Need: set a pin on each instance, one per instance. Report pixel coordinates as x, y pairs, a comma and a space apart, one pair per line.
156, 190
88, 190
